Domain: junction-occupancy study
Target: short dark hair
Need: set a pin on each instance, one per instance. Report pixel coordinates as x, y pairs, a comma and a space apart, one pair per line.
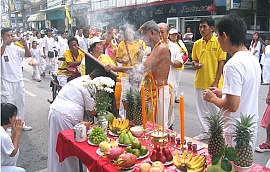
96, 73
235, 27
92, 46
72, 39
5, 30
209, 20
267, 38
34, 42
8, 110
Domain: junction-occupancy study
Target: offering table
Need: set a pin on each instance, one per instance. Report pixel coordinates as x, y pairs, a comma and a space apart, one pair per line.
67, 146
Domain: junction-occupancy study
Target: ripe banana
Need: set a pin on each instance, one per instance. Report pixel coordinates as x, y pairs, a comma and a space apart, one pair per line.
187, 160
114, 122
183, 157
110, 126
175, 160
194, 159
198, 163
125, 124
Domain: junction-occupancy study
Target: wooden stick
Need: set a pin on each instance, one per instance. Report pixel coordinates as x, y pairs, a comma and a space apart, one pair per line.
91, 56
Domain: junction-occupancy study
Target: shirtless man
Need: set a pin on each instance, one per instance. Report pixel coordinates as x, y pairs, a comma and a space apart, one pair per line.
157, 65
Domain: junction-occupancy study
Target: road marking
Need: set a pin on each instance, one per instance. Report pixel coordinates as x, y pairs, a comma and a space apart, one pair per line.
31, 94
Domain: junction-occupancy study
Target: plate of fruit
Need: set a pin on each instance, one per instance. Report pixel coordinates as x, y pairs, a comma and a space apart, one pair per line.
113, 134
126, 139
97, 136
99, 152
137, 149
118, 125
161, 154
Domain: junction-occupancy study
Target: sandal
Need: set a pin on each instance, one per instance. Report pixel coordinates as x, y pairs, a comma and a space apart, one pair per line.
264, 147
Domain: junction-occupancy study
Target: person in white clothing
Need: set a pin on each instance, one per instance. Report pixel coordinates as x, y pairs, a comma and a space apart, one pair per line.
266, 63
12, 87
65, 112
175, 37
62, 43
242, 79
10, 144
48, 49
80, 38
37, 55
188, 36
33, 37
42, 60
176, 62
255, 45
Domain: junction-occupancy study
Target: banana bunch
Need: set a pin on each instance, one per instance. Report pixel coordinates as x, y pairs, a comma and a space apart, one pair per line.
118, 125
188, 162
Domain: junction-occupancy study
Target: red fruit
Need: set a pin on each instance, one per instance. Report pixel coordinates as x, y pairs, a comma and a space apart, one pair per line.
157, 147
169, 157
153, 156
126, 160
168, 154
159, 155
163, 158
114, 153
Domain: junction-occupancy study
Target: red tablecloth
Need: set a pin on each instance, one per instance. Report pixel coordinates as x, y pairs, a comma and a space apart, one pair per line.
67, 146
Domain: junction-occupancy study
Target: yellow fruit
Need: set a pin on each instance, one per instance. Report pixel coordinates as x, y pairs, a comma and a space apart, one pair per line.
183, 157
176, 163
194, 159
187, 160
104, 146
114, 143
198, 163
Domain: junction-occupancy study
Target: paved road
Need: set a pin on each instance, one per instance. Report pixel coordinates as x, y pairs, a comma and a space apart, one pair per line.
34, 144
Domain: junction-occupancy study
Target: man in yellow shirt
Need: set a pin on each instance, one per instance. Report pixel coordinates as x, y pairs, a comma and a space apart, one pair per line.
73, 58
208, 60
129, 53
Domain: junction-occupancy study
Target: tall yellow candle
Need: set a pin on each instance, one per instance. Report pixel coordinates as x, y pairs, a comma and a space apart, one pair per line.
143, 108
182, 116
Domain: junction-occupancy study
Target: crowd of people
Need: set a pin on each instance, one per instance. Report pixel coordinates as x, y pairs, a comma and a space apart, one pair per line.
156, 51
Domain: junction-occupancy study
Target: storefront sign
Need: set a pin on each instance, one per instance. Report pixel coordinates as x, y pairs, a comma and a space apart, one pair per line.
239, 4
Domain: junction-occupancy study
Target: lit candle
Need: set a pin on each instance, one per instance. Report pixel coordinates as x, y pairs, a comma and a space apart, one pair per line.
143, 108
182, 123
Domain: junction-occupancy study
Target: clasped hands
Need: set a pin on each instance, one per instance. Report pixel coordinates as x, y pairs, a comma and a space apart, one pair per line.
211, 93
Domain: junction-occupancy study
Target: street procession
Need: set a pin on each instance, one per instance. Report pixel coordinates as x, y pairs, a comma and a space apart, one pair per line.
145, 86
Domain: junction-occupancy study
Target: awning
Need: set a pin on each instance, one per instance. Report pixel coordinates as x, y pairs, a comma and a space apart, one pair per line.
36, 17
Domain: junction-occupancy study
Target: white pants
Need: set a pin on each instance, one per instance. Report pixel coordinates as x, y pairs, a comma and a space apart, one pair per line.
59, 122
37, 71
126, 85
178, 77
13, 92
9, 164
203, 108
166, 104
43, 64
171, 108
62, 80
266, 72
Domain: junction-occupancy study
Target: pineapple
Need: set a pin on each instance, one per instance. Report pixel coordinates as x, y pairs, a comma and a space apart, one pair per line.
243, 136
137, 114
216, 140
129, 104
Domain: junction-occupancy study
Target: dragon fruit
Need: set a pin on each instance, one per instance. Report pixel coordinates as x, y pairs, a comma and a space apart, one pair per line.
126, 160
114, 153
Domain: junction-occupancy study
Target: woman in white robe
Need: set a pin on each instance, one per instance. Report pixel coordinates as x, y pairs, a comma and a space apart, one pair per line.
65, 112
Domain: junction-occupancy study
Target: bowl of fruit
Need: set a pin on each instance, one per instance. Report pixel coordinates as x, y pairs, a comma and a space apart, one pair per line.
136, 131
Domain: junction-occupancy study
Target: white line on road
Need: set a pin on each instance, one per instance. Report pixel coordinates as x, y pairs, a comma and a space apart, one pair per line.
31, 94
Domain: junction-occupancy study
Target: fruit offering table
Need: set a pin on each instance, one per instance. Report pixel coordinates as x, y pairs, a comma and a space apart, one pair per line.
67, 146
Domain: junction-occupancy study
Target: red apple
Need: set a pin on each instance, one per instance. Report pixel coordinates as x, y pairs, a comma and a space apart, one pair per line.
155, 169
145, 167
158, 164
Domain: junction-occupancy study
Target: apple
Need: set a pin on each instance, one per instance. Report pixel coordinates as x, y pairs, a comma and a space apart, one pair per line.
158, 164
145, 167
155, 169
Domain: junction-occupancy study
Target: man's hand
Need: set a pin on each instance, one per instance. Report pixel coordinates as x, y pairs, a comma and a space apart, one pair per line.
208, 95
216, 91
